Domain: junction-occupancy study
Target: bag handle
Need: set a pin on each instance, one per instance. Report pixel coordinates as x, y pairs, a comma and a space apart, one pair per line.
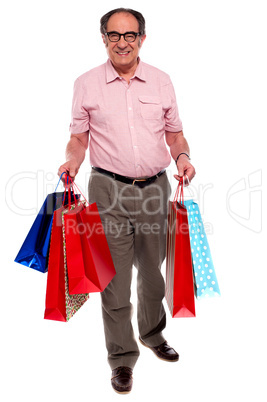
59, 181
77, 188
67, 188
179, 194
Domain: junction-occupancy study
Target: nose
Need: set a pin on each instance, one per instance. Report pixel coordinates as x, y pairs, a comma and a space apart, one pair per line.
122, 44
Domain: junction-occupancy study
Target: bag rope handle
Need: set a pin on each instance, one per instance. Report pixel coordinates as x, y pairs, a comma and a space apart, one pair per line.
59, 181
179, 194
77, 188
67, 188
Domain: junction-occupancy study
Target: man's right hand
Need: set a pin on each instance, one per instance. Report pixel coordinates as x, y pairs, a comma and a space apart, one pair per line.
75, 153
70, 167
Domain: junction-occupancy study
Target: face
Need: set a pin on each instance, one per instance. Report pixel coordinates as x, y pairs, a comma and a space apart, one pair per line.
122, 54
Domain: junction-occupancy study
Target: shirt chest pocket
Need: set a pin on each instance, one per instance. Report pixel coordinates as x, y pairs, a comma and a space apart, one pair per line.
150, 107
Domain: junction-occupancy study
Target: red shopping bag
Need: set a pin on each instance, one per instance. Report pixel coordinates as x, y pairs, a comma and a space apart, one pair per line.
89, 262
60, 305
179, 270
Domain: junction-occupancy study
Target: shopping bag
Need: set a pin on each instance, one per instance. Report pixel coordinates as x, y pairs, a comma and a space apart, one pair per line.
35, 248
89, 262
60, 305
204, 272
179, 271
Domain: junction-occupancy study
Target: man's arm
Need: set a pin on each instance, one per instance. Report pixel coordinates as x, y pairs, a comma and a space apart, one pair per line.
178, 144
75, 154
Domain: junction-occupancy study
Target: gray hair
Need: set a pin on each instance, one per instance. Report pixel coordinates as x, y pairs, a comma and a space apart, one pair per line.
136, 14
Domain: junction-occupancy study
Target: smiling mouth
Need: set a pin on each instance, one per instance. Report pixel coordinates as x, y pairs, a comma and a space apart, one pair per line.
123, 53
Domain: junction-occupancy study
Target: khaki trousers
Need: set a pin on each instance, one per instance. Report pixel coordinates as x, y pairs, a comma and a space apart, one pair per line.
134, 220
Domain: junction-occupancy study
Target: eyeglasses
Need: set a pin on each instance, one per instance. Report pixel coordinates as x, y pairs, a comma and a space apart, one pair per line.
127, 36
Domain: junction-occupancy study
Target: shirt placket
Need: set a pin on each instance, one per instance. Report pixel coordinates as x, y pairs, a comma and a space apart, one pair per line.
135, 148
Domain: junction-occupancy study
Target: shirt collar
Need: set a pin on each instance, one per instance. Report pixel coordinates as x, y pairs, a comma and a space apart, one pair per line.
112, 75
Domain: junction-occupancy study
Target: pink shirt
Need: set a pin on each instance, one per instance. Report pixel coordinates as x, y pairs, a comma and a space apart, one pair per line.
126, 122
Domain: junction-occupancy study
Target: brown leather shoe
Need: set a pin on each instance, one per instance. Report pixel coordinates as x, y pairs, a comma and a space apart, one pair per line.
122, 379
163, 351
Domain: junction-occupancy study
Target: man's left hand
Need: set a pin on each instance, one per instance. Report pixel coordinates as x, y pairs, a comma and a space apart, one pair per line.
185, 169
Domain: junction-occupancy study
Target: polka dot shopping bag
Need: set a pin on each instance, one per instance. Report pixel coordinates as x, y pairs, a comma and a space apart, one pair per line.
179, 290
205, 276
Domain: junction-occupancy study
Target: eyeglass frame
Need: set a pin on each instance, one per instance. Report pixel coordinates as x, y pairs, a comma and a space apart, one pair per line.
120, 35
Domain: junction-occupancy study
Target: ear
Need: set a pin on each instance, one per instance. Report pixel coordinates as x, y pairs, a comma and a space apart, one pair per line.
104, 38
142, 39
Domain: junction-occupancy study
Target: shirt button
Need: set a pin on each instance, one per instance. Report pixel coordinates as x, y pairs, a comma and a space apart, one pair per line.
130, 108
135, 146
131, 127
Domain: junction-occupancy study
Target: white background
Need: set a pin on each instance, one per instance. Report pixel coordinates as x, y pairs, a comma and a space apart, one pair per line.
215, 53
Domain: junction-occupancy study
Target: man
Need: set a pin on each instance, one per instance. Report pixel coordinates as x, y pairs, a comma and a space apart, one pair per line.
129, 108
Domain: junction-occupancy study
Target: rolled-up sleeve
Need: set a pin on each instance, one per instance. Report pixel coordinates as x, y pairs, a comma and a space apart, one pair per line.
79, 114
173, 122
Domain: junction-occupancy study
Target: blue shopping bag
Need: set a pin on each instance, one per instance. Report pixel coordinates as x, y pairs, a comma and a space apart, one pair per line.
204, 272
35, 248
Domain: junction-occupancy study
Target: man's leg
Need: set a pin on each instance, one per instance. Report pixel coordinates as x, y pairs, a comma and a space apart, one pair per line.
116, 307
149, 254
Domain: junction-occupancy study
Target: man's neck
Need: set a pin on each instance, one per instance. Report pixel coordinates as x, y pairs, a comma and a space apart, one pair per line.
128, 72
